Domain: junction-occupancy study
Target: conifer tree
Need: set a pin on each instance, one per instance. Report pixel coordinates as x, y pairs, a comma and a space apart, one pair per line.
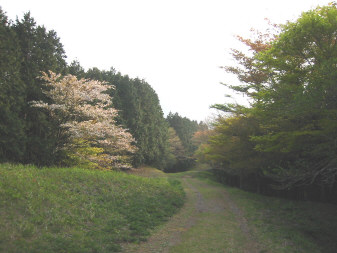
140, 112
41, 50
12, 126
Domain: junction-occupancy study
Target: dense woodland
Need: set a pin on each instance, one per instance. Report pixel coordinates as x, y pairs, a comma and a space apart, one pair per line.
34, 129
283, 143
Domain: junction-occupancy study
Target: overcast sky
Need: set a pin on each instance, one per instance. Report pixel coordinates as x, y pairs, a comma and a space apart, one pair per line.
177, 46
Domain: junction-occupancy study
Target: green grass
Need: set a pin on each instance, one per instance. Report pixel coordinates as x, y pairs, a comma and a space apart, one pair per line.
290, 226
214, 230
213, 233
77, 210
283, 225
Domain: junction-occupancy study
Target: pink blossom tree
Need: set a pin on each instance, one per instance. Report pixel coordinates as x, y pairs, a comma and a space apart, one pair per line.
87, 121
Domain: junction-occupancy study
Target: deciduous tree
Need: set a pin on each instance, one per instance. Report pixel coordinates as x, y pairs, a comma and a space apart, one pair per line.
87, 119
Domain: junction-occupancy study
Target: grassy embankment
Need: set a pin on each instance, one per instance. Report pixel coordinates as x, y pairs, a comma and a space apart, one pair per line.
76, 210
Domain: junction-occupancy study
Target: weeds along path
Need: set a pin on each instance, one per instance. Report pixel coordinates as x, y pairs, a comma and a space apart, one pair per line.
209, 222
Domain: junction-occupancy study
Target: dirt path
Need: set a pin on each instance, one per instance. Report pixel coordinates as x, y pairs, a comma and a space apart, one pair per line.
209, 222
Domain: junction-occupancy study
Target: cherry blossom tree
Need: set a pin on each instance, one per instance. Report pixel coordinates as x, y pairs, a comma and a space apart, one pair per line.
87, 119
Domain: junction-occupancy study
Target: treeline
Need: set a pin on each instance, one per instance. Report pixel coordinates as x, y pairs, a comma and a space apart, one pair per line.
26, 134
37, 127
182, 142
285, 142
139, 112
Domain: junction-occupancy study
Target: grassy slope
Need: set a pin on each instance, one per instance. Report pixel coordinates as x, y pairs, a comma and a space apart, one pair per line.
75, 210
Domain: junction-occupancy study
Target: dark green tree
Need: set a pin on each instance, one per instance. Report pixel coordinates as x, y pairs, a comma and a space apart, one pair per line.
185, 129
76, 69
140, 112
12, 125
40, 50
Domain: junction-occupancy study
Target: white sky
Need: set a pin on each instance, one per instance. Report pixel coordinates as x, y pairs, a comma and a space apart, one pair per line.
177, 46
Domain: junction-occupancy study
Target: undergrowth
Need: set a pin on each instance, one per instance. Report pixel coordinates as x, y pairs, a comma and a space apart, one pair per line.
77, 210
283, 225
298, 226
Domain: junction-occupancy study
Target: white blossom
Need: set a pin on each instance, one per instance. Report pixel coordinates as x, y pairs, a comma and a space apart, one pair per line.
86, 113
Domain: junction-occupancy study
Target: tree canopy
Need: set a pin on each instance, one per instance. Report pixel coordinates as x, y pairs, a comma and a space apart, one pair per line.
288, 133
35, 135
139, 111
27, 49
